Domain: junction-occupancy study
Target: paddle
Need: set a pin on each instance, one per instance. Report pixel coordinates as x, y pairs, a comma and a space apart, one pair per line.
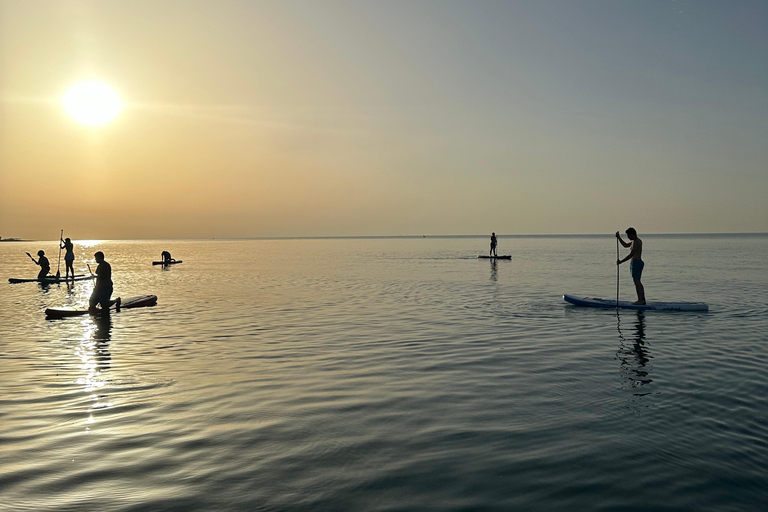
58, 267
30, 257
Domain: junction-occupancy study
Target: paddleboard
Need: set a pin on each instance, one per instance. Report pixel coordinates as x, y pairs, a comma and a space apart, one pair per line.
51, 279
504, 257
166, 262
624, 304
129, 303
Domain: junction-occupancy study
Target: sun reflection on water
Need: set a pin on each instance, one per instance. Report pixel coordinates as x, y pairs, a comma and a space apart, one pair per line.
95, 359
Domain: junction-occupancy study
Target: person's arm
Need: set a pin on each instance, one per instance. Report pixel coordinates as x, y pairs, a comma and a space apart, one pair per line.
625, 244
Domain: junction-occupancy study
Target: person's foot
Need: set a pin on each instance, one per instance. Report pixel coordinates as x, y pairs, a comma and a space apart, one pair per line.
639, 303
118, 302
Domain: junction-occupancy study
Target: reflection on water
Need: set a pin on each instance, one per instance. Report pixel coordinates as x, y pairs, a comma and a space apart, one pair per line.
380, 374
95, 360
633, 351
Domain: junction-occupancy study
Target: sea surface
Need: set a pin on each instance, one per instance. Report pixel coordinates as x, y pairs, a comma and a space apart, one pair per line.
389, 374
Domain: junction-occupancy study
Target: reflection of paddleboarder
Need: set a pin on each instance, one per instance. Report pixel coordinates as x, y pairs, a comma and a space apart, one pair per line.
492, 252
102, 291
43, 262
636, 265
69, 256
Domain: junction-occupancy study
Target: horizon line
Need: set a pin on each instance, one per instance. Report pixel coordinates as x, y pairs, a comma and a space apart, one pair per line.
354, 237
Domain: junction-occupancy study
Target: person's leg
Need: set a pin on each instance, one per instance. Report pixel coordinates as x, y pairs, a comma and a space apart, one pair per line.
640, 290
93, 300
106, 299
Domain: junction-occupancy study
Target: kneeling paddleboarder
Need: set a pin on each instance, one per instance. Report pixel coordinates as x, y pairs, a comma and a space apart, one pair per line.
102, 291
636, 264
43, 263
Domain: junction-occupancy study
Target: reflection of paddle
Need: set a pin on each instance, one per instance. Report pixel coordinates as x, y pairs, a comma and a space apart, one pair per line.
58, 267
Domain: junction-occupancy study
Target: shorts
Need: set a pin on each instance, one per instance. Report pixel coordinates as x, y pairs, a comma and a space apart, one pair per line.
636, 268
101, 296
69, 257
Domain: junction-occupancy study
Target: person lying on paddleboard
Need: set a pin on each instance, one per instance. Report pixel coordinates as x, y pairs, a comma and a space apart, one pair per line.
493, 245
102, 291
69, 255
45, 266
165, 257
636, 264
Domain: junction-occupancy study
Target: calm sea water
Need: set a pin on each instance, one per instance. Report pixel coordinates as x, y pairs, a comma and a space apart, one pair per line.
389, 374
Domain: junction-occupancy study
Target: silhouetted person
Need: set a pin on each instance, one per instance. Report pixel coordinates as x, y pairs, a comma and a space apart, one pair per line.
69, 255
166, 257
636, 262
42, 261
102, 291
493, 245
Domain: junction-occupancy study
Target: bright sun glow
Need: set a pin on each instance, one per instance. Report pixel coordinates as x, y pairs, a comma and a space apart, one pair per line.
92, 103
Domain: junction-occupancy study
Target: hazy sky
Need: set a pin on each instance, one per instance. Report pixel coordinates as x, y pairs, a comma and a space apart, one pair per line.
303, 118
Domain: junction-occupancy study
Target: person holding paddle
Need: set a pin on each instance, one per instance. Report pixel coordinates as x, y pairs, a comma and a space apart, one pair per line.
494, 242
69, 256
636, 264
42, 261
102, 291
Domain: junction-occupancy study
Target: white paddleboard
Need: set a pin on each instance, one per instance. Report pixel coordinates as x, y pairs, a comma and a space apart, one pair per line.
593, 302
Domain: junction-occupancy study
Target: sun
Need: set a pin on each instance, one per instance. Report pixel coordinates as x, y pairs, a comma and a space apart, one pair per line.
92, 103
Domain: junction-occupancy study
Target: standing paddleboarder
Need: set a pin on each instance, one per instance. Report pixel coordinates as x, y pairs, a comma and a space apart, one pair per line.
492, 252
69, 256
102, 291
636, 262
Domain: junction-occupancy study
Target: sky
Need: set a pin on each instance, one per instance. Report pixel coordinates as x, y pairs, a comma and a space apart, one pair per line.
353, 118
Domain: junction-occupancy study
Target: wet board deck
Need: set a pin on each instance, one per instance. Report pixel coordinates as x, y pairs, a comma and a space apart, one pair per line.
129, 303
504, 257
50, 280
593, 302
166, 262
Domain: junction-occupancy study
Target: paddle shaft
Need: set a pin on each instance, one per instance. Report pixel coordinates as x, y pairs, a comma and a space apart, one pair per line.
58, 266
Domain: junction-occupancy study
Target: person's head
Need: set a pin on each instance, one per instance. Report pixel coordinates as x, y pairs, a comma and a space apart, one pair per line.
99, 256
67, 240
494, 234
41, 252
631, 233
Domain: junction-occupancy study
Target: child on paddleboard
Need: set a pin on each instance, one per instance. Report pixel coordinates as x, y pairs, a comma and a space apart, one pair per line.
636, 264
